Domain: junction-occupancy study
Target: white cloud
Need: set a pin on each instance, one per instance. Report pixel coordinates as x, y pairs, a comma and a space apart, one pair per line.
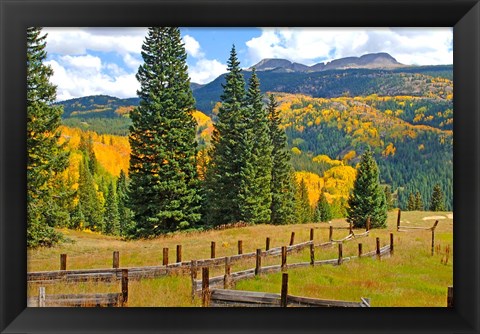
205, 70
192, 46
76, 41
75, 81
422, 46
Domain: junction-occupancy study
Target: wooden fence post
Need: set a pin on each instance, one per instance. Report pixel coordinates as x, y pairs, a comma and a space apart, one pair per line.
165, 256
63, 261
212, 250
284, 293
116, 259
312, 254
330, 233
205, 287
391, 243
340, 253
227, 282
284, 258
258, 262
179, 253
193, 276
240, 247
124, 286
360, 250
41, 296
267, 244
311, 234
450, 296
433, 236
368, 224
398, 218
378, 247
292, 238
350, 227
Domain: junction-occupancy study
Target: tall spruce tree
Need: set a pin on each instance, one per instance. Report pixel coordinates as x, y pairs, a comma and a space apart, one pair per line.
389, 198
323, 210
303, 210
437, 202
228, 161
46, 159
124, 213
367, 198
282, 183
411, 204
91, 208
418, 202
111, 223
255, 192
164, 186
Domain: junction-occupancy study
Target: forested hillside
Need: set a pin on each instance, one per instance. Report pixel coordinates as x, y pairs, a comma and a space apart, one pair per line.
414, 81
405, 115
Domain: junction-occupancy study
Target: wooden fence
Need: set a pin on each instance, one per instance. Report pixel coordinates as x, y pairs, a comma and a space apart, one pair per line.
229, 278
237, 298
401, 228
83, 300
107, 274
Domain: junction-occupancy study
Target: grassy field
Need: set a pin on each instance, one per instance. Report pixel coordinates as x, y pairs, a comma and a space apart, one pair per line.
411, 277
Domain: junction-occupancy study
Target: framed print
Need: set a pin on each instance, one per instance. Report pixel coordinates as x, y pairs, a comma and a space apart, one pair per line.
101, 75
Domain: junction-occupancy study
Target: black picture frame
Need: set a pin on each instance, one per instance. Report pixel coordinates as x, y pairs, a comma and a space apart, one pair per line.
463, 15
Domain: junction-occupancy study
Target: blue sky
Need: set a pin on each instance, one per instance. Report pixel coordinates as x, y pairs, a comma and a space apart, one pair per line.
92, 61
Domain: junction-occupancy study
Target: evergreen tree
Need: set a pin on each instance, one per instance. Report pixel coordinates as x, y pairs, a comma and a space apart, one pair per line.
323, 211
437, 202
418, 202
412, 204
163, 188
46, 159
367, 198
86, 146
389, 198
77, 220
111, 218
88, 200
228, 161
303, 209
257, 152
124, 213
282, 182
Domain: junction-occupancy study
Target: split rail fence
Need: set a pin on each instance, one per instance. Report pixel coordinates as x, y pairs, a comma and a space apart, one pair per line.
83, 300
229, 279
135, 273
238, 298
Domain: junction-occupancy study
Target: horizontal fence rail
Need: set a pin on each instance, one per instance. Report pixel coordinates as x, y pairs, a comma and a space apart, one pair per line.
83, 300
112, 274
231, 278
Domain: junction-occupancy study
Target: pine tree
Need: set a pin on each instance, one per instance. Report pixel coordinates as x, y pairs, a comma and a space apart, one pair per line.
437, 202
163, 190
111, 217
86, 146
418, 202
227, 155
324, 212
411, 205
88, 199
46, 159
389, 198
125, 215
282, 182
367, 198
303, 209
257, 152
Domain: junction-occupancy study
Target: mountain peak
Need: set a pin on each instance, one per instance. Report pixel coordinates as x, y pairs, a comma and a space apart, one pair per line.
380, 60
